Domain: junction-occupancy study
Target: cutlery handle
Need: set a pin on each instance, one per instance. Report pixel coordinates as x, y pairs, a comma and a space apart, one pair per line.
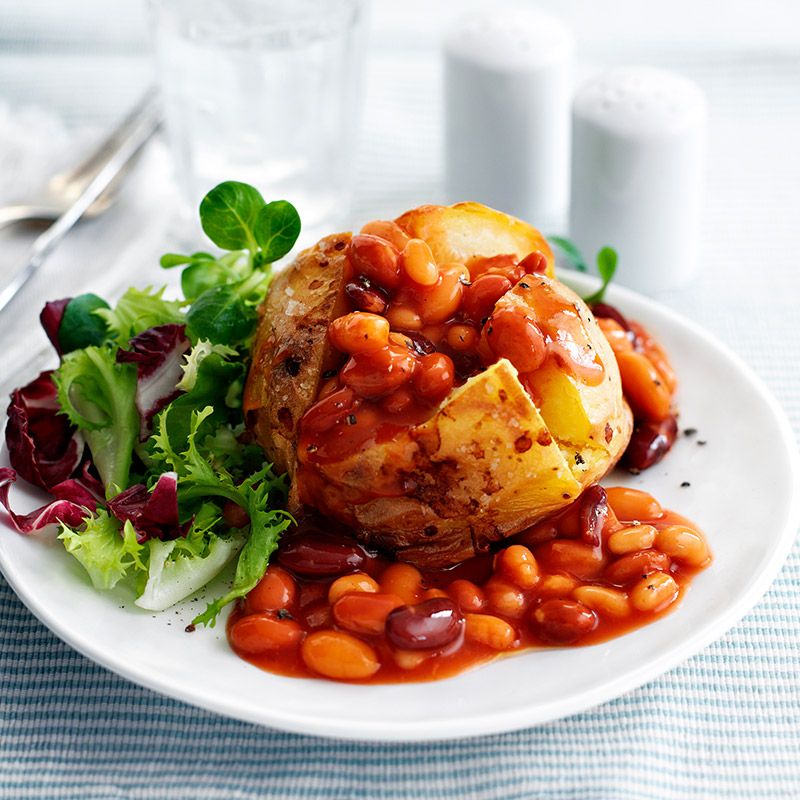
133, 134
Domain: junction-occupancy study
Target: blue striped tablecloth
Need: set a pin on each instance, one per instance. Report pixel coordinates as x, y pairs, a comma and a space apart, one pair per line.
726, 724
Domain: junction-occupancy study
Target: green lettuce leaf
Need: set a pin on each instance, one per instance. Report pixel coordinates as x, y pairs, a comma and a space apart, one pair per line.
137, 310
99, 396
107, 553
266, 526
261, 495
180, 567
218, 386
196, 356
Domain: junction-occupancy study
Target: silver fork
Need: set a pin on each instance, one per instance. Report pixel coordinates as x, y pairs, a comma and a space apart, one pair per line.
88, 185
63, 189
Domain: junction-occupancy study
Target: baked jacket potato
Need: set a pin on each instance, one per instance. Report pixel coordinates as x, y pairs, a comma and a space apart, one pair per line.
532, 411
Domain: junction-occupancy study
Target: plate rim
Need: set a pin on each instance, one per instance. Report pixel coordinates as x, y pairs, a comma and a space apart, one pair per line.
507, 720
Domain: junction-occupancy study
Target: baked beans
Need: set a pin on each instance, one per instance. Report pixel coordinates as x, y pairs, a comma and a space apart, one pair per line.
335, 610
414, 330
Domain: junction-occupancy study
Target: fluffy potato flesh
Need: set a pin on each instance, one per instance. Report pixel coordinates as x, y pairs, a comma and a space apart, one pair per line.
499, 453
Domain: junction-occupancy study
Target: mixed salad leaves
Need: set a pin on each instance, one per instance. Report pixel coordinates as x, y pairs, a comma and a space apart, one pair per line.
139, 436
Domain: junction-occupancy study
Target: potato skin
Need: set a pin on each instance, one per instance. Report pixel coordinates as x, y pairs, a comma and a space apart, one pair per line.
291, 349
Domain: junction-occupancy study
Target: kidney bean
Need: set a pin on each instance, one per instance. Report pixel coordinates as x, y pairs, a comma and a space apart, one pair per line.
364, 298
376, 258
425, 626
560, 621
610, 312
593, 514
312, 592
318, 614
317, 555
234, 515
650, 442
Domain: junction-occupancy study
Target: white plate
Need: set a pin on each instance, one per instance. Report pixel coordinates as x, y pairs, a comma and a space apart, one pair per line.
743, 493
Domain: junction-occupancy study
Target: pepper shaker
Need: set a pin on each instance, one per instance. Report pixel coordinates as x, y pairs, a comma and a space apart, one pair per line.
508, 87
638, 158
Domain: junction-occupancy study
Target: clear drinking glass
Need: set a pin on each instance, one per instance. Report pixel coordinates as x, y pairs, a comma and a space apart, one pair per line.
266, 92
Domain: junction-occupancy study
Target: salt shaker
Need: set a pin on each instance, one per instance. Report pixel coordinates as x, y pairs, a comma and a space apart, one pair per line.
507, 98
638, 159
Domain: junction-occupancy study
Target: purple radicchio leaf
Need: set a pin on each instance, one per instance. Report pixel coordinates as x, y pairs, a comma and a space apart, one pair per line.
72, 505
51, 316
89, 480
158, 353
154, 515
43, 447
